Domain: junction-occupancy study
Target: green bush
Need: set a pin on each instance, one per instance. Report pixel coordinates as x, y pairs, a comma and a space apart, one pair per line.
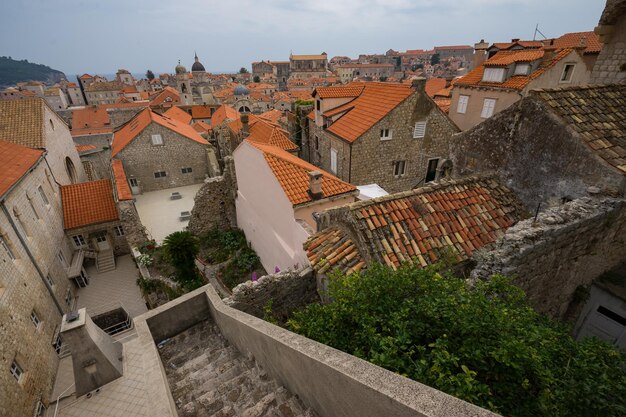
482, 344
220, 245
240, 267
180, 250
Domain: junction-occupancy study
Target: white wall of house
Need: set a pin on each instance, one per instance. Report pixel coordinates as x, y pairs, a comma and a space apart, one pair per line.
265, 214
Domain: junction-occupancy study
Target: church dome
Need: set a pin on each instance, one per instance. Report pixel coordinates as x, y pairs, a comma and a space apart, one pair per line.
180, 69
241, 90
197, 66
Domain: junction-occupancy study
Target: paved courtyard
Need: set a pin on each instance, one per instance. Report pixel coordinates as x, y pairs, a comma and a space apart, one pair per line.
160, 215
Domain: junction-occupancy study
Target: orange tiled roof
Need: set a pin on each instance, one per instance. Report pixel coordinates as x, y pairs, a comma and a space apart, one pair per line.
178, 114
504, 58
15, 161
162, 96
576, 39
292, 175
375, 102
85, 77
443, 103
350, 90
91, 120
71, 85
236, 125
201, 112
222, 113
84, 148
272, 116
524, 44
516, 82
434, 85
201, 127
129, 89
421, 226
137, 124
22, 122
264, 132
88, 203
597, 114
121, 182
311, 115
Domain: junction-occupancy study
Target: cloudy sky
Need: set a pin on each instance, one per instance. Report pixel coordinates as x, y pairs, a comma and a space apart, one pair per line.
99, 36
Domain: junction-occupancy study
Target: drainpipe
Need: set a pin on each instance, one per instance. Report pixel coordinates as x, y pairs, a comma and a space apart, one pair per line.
30, 255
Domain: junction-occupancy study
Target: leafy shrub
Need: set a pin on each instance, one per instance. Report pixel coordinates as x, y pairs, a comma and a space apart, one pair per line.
220, 245
482, 344
180, 249
241, 266
145, 259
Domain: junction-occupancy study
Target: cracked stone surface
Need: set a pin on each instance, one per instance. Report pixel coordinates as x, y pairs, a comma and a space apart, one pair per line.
209, 377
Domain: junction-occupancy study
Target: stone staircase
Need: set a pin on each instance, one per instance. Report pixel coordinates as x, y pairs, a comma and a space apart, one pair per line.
105, 261
209, 377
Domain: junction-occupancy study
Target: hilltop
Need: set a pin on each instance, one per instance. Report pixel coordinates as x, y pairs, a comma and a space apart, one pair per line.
13, 71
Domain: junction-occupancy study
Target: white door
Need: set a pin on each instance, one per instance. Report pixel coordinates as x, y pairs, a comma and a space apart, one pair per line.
102, 241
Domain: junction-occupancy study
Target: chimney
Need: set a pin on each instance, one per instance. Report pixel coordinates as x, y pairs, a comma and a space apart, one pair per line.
96, 358
418, 84
245, 129
549, 52
515, 40
315, 185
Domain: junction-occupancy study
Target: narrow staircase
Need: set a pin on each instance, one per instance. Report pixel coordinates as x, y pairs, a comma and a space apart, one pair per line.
210, 378
105, 261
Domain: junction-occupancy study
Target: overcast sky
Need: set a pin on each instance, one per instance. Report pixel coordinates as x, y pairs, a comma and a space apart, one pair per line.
77, 36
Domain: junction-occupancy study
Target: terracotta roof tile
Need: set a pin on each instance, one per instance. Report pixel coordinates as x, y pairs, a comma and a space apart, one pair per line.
223, 112
21, 122
166, 96
272, 116
200, 112
292, 175
15, 162
576, 39
91, 120
137, 124
88, 203
264, 132
422, 226
84, 148
179, 114
121, 182
597, 114
201, 127
443, 103
433, 85
350, 90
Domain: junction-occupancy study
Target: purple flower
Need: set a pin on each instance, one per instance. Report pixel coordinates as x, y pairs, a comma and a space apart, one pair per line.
276, 270
254, 276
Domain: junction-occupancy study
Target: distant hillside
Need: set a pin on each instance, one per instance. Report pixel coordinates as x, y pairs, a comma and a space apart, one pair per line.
12, 71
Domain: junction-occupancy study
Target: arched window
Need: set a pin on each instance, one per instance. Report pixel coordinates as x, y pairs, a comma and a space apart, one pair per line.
71, 170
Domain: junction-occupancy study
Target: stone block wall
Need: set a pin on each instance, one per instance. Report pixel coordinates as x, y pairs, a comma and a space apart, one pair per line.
119, 244
60, 146
287, 291
610, 67
214, 204
567, 247
134, 230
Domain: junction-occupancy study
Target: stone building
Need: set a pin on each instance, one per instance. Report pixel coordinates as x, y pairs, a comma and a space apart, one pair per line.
278, 195
393, 135
55, 98
552, 146
32, 123
460, 51
610, 66
308, 66
124, 77
34, 288
159, 152
347, 72
195, 87
510, 75
75, 95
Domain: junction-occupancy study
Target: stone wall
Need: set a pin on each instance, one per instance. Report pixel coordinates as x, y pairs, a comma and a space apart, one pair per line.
97, 163
610, 67
134, 230
118, 244
568, 246
120, 116
287, 291
535, 155
214, 204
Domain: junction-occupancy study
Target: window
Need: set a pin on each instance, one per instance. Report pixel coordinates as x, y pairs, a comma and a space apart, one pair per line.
119, 231
333, 160
57, 343
32, 206
399, 168
186, 170
317, 143
385, 134
319, 105
494, 75
462, 106
49, 281
5, 245
43, 196
16, 371
420, 130
35, 319
40, 409
51, 124
521, 69
20, 222
101, 237
160, 174
79, 241
157, 139
488, 106
69, 297
567, 73
62, 258
133, 182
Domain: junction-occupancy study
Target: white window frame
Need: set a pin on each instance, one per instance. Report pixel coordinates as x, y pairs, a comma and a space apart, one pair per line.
461, 106
17, 371
564, 73
62, 258
160, 174
79, 241
493, 75
35, 319
522, 68
419, 131
396, 166
386, 134
7, 247
40, 409
119, 231
157, 139
333, 160
133, 182
43, 196
489, 106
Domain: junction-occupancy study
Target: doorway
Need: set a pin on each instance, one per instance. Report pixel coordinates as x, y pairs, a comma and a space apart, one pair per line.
102, 241
431, 172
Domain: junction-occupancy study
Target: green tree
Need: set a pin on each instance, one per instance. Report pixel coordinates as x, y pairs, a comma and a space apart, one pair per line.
180, 250
243, 70
257, 79
434, 59
483, 344
150, 75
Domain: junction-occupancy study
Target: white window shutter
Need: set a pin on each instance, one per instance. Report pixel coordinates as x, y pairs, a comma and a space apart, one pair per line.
420, 130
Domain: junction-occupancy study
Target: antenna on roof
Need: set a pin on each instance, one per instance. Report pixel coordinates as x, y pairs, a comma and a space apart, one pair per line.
538, 31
